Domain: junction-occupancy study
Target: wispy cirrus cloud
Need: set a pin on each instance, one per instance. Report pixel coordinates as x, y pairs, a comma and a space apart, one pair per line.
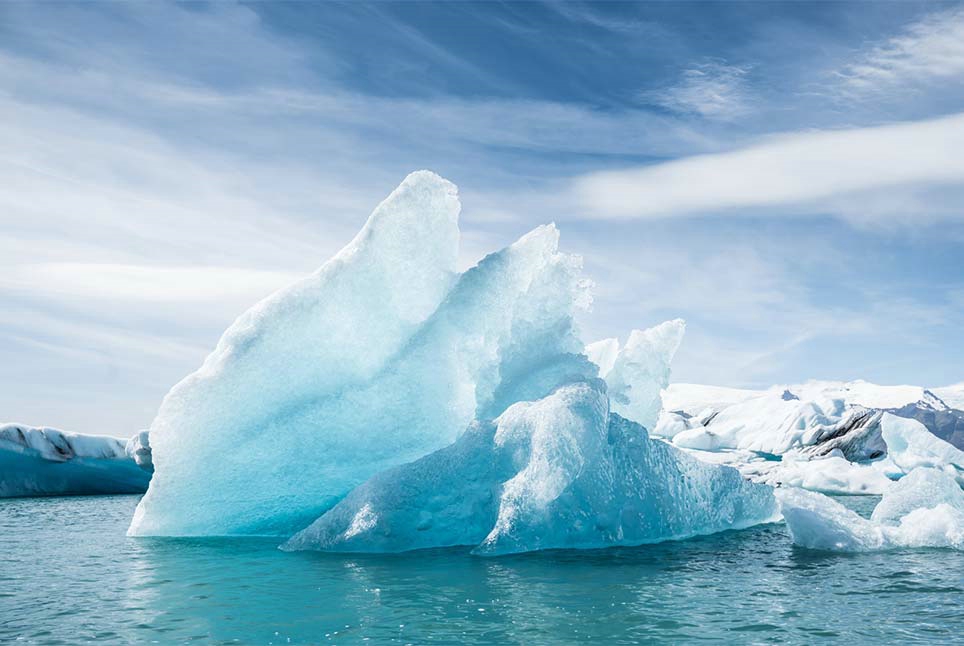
928, 50
713, 90
808, 169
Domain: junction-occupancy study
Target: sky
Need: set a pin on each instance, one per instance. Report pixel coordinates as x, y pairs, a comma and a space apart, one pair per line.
787, 177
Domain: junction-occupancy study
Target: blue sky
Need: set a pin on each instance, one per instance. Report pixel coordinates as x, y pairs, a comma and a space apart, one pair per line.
788, 177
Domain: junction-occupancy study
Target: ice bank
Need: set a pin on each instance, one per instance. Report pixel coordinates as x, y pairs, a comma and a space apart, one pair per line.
49, 462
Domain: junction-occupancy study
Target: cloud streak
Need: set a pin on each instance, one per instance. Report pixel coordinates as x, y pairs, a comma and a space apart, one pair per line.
803, 169
928, 50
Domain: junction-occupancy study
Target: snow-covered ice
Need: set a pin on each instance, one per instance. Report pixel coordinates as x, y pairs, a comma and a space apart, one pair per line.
923, 509
40, 461
823, 436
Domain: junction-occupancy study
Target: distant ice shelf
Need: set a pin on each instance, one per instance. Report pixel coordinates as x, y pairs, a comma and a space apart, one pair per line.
834, 437
49, 462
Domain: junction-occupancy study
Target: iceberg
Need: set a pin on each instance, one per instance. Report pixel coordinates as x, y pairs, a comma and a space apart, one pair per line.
923, 509
387, 403
41, 461
380, 357
560, 472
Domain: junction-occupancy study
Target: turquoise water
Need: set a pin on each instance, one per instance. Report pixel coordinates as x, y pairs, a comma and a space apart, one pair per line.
69, 575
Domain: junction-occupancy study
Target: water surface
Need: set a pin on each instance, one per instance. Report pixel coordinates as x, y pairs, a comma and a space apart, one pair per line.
69, 575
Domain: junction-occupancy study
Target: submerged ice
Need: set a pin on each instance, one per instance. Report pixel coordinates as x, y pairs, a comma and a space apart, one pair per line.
371, 370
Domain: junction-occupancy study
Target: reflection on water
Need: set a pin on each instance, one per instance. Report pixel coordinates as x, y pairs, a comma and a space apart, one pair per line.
68, 574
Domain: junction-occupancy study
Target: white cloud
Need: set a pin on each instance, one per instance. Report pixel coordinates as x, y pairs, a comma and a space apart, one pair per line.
810, 169
144, 284
928, 50
713, 90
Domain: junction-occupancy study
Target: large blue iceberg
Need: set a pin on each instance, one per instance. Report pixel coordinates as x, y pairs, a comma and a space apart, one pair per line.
383, 358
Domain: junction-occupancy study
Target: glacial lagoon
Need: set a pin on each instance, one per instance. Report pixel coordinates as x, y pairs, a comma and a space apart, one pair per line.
69, 575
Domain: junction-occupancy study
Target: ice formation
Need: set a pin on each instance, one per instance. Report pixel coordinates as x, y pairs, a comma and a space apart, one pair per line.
381, 356
384, 357
561, 472
823, 436
49, 462
923, 509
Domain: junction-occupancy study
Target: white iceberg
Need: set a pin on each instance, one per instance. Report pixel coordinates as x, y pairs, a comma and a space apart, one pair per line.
40, 461
561, 472
381, 356
923, 509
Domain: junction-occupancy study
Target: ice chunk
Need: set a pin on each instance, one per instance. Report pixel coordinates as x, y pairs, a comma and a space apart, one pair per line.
921, 488
926, 509
561, 472
49, 462
373, 361
911, 445
818, 522
641, 371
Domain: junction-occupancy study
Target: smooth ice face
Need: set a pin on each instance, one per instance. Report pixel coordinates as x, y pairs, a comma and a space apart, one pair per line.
924, 509
561, 472
49, 462
380, 357
911, 445
641, 370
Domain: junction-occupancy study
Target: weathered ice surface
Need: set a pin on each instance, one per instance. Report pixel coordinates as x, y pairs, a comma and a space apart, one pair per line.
561, 472
49, 462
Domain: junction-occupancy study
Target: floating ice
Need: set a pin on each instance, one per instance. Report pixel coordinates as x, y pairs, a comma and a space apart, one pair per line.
911, 445
385, 355
50, 462
561, 472
924, 509
378, 358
